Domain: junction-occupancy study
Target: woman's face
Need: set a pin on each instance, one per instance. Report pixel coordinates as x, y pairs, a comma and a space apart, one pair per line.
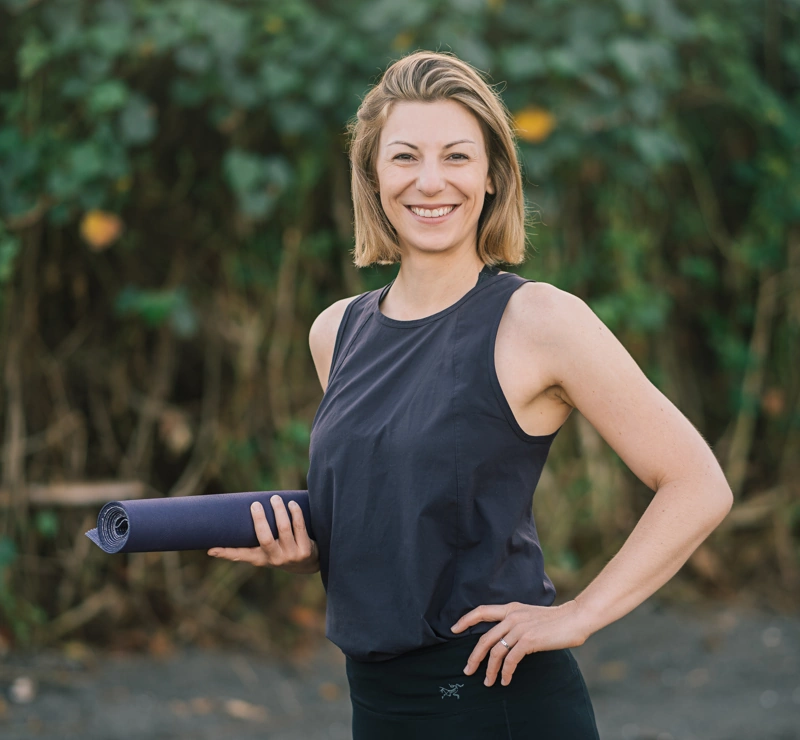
433, 174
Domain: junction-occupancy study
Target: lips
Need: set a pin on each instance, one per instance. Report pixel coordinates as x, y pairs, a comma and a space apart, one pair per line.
432, 219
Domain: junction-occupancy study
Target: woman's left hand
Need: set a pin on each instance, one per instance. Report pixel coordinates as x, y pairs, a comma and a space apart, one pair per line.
527, 629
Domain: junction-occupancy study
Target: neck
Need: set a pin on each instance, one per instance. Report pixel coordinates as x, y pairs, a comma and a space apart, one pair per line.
428, 283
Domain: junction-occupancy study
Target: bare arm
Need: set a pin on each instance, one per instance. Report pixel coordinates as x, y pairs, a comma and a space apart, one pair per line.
322, 338
654, 439
596, 375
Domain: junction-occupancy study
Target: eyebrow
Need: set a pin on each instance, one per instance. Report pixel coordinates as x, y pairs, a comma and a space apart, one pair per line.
446, 146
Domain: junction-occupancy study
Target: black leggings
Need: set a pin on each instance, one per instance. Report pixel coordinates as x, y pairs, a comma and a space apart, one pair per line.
425, 695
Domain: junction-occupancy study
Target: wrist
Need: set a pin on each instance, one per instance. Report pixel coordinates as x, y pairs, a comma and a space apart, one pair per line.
586, 617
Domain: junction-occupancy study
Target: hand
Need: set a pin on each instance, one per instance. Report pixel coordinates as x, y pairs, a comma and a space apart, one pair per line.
293, 551
527, 629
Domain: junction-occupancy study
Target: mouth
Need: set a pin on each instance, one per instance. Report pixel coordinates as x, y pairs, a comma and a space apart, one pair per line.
432, 215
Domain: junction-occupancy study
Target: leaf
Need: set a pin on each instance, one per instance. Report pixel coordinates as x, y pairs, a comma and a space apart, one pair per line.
522, 62
656, 147
32, 55
137, 121
86, 160
8, 552
47, 524
195, 58
109, 39
257, 181
639, 60
9, 249
108, 96
243, 170
155, 307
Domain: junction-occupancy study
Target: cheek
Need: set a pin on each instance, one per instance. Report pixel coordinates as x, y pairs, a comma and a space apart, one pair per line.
390, 187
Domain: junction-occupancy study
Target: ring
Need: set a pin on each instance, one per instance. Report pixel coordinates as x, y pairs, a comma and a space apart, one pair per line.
506, 644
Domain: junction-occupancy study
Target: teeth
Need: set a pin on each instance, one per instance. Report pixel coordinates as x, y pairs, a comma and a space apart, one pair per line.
427, 213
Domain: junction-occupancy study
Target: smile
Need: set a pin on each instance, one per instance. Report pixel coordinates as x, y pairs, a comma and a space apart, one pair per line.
435, 214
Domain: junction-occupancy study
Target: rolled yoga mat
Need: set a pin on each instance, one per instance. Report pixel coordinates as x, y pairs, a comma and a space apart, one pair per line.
188, 522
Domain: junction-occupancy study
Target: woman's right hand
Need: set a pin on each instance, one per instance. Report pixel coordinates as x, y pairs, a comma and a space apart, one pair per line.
293, 550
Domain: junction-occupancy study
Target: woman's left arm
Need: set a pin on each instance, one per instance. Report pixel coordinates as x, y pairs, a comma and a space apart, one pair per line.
597, 376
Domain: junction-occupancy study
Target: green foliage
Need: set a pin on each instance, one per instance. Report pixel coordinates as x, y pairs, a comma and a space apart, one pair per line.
668, 192
155, 307
9, 247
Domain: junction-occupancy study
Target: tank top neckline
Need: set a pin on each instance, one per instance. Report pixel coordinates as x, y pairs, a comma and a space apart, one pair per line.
490, 272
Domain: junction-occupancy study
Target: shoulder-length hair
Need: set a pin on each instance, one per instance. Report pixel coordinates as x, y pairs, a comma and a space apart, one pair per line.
426, 76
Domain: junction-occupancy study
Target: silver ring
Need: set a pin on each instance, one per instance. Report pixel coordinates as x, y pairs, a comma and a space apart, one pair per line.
506, 644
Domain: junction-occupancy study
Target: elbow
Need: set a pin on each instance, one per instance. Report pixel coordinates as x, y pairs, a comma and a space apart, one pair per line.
723, 503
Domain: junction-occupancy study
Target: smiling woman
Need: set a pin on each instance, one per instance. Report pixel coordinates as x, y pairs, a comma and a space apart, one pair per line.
414, 445
473, 132
443, 392
427, 181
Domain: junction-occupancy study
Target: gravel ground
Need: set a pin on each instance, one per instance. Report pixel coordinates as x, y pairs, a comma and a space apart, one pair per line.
661, 673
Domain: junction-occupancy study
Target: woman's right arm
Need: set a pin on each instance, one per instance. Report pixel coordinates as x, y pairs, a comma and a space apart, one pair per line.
322, 338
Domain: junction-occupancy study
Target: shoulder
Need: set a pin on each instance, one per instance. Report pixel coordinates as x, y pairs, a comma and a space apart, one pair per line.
563, 336
543, 311
322, 336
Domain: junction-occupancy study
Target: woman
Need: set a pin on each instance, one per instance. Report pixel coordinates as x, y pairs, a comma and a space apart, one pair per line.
443, 393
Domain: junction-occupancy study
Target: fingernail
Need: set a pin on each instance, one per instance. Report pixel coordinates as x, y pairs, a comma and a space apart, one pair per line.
466, 670
485, 681
274, 498
255, 506
293, 504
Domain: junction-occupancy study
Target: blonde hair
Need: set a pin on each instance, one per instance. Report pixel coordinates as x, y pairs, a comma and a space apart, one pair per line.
427, 76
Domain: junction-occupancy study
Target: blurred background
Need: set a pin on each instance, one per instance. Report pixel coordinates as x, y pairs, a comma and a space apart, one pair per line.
175, 212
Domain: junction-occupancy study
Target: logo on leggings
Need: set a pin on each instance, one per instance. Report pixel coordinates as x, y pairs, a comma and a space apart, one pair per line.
452, 691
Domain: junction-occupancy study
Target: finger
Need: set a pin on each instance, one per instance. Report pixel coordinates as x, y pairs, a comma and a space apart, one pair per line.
239, 554
263, 530
299, 526
498, 655
485, 643
520, 649
483, 613
282, 522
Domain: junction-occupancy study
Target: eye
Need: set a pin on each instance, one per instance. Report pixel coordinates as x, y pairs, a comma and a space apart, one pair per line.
461, 157
399, 157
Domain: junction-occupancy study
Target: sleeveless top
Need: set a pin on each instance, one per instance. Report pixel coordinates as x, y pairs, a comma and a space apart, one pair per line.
420, 479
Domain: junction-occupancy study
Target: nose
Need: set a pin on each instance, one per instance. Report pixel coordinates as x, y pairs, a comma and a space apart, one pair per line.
430, 179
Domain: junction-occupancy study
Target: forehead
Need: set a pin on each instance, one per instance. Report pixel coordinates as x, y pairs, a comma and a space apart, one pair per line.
432, 124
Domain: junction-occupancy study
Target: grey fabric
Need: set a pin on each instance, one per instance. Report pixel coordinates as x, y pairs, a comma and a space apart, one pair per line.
420, 478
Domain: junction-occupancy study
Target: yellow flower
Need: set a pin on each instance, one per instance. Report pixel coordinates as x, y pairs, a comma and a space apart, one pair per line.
273, 24
403, 41
100, 229
534, 124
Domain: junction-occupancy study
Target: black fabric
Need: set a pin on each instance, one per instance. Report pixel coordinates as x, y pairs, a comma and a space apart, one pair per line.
188, 522
424, 695
420, 478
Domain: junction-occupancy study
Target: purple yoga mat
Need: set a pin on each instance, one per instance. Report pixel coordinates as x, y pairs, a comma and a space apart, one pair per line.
188, 522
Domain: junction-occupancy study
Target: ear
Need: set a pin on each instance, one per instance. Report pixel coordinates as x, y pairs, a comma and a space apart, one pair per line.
489, 185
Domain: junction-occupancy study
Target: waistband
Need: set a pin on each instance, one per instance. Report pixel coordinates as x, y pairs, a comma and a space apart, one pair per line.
431, 680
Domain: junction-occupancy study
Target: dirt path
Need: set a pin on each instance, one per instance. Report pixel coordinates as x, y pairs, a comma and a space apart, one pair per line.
713, 673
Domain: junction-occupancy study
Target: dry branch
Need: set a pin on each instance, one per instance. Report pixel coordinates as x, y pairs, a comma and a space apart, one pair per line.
202, 454
742, 441
83, 493
109, 599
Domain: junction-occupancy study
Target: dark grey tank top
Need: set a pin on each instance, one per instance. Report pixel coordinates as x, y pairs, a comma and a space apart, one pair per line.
420, 479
